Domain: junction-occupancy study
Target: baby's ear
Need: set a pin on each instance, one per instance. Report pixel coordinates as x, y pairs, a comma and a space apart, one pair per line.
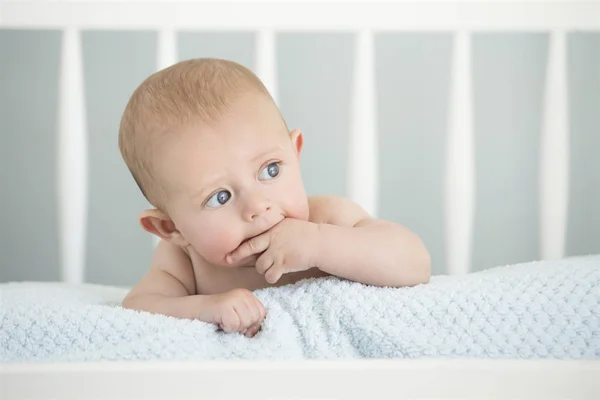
158, 223
297, 140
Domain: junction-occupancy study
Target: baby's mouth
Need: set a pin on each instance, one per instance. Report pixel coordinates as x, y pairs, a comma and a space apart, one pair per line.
251, 259
248, 239
264, 231
252, 237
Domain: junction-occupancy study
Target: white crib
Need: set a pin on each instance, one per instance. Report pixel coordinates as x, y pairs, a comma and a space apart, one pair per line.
381, 379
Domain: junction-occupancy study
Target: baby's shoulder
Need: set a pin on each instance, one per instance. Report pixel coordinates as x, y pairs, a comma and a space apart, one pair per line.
335, 210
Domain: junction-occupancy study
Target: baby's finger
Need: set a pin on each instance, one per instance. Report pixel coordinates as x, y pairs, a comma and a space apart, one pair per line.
274, 274
253, 330
253, 309
245, 315
257, 244
264, 262
263, 310
231, 322
260, 310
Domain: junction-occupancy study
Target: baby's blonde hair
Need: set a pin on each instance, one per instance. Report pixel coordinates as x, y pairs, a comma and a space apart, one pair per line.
192, 90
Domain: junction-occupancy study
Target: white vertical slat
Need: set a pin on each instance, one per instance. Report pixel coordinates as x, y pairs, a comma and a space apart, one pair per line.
266, 61
554, 157
166, 55
362, 162
460, 173
72, 160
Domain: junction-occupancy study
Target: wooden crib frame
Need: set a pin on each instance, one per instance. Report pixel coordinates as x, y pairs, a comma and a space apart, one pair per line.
312, 379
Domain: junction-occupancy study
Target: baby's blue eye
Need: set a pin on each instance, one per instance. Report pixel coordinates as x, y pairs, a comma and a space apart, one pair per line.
269, 172
219, 198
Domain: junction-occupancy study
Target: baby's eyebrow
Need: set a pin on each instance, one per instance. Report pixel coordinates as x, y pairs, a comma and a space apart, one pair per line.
265, 153
199, 195
213, 182
205, 187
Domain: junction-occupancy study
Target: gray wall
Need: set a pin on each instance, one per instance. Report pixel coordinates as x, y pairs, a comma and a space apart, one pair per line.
28, 201
315, 73
113, 63
508, 81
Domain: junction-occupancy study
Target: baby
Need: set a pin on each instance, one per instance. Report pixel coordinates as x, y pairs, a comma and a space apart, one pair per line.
211, 152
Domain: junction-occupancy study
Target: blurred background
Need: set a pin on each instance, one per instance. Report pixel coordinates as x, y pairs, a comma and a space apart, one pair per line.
314, 79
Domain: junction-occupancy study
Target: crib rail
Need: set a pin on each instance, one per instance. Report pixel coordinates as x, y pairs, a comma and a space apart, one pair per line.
363, 18
441, 15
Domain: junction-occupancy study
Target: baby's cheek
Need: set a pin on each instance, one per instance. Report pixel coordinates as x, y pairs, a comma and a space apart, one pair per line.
298, 211
297, 204
214, 243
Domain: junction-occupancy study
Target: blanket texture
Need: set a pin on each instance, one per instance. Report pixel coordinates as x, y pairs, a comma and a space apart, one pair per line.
545, 309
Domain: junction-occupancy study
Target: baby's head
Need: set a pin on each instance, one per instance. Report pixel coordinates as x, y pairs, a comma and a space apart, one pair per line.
210, 150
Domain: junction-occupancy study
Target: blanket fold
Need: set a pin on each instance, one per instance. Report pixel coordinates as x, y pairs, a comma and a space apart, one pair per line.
545, 309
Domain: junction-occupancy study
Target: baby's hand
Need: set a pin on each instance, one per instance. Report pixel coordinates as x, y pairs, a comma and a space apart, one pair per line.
236, 311
289, 246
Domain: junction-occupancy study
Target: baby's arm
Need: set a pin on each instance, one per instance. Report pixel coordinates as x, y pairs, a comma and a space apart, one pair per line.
354, 246
169, 288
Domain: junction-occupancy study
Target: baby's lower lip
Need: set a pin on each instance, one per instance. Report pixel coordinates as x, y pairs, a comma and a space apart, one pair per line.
245, 240
252, 237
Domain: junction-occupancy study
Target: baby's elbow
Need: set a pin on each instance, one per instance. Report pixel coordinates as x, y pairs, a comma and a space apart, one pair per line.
130, 302
419, 265
127, 303
425, 267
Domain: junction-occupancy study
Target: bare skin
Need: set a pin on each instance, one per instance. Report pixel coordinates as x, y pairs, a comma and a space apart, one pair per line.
182, 284
239, 220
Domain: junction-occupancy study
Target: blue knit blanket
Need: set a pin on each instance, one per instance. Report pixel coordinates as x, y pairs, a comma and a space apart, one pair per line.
548, 309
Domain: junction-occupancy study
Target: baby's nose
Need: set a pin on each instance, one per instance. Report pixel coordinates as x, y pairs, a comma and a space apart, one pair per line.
256, 208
